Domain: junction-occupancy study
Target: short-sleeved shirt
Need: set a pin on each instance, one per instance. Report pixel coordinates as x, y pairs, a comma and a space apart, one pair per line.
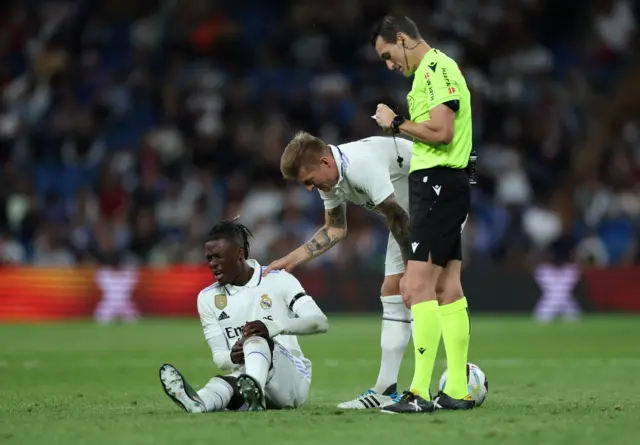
368, 173
437, 80
225, 309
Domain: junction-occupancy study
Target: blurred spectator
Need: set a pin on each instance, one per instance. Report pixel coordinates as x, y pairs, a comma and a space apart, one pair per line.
50, 250
11, 251
128, 131
145, 234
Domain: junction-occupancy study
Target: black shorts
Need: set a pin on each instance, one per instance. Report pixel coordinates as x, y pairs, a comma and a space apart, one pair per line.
439, 203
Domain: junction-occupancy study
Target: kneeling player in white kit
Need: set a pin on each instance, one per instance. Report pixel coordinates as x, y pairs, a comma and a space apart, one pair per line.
260, 316
373, 173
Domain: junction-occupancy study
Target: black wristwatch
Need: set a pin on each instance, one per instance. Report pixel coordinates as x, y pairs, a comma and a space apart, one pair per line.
396, 122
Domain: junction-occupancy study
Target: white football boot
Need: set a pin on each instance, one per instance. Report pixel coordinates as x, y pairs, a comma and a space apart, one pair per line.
180, 391
371, 399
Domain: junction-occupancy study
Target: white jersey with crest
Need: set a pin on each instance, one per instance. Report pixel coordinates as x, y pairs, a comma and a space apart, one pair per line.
369, 172
225, 309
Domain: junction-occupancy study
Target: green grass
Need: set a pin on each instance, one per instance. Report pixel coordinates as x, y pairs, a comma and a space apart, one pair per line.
84, 384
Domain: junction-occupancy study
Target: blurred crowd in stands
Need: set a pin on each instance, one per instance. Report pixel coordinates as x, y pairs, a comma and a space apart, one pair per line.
128, 128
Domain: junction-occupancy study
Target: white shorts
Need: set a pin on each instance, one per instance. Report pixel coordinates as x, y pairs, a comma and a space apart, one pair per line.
288, 381
393, 263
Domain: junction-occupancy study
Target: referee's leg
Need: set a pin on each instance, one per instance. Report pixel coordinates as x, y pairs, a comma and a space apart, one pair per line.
456, 331
439, 208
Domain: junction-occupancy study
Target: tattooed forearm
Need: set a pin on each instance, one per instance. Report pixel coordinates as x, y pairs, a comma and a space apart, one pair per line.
398, 223
323, 240
334, 230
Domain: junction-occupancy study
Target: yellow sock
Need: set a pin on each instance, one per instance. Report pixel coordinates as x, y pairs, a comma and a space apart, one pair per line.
426, 337
456, 331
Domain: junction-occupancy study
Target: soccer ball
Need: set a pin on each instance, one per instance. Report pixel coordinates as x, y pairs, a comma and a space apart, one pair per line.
477, 383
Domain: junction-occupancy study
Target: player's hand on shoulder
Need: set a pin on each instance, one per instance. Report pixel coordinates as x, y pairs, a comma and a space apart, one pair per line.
287, 263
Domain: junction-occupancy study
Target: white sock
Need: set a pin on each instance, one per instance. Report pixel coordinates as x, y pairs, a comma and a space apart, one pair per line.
396, 332
257, 359
216, 394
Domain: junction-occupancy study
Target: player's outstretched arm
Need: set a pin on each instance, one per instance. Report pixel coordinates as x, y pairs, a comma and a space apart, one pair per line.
309, 320
398, 223
333, 231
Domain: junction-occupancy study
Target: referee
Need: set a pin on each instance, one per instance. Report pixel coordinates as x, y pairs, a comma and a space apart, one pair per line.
439, 202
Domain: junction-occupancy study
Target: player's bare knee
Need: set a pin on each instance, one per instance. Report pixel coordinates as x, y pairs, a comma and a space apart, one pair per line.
391, 285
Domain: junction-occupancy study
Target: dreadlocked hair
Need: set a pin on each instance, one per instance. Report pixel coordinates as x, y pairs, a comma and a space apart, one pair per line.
233, 231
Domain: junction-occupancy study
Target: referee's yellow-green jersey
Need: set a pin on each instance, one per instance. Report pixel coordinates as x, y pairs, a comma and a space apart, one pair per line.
438, 80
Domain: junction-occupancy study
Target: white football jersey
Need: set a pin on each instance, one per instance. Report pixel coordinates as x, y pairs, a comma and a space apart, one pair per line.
369, 172
225, 309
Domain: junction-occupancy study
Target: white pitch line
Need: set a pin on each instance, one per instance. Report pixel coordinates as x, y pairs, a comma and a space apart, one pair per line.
31, 364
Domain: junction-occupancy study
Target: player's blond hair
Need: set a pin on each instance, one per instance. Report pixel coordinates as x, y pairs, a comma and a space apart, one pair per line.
302, 149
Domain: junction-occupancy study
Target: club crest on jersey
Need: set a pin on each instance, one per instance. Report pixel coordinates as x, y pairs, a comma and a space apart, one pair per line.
265, 302
221, 301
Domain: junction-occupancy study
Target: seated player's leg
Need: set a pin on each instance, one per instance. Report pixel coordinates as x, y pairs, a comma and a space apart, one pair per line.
289, 380
258, 361
179, 390
219, 394
222, 392
454, 317
394, 337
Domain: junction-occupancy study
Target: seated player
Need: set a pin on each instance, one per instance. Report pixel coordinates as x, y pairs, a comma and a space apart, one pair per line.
373, 173
259, 316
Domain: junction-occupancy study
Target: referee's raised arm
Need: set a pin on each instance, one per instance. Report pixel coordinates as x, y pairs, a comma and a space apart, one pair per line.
439, 202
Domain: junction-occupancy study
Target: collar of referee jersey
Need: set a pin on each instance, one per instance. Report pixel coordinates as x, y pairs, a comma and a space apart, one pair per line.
255, 280
342, 162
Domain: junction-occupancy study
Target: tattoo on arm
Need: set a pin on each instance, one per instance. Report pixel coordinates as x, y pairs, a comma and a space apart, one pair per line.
329, 235
398, 223
337, 217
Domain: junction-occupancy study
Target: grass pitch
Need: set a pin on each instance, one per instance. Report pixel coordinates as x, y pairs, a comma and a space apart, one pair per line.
548, 384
